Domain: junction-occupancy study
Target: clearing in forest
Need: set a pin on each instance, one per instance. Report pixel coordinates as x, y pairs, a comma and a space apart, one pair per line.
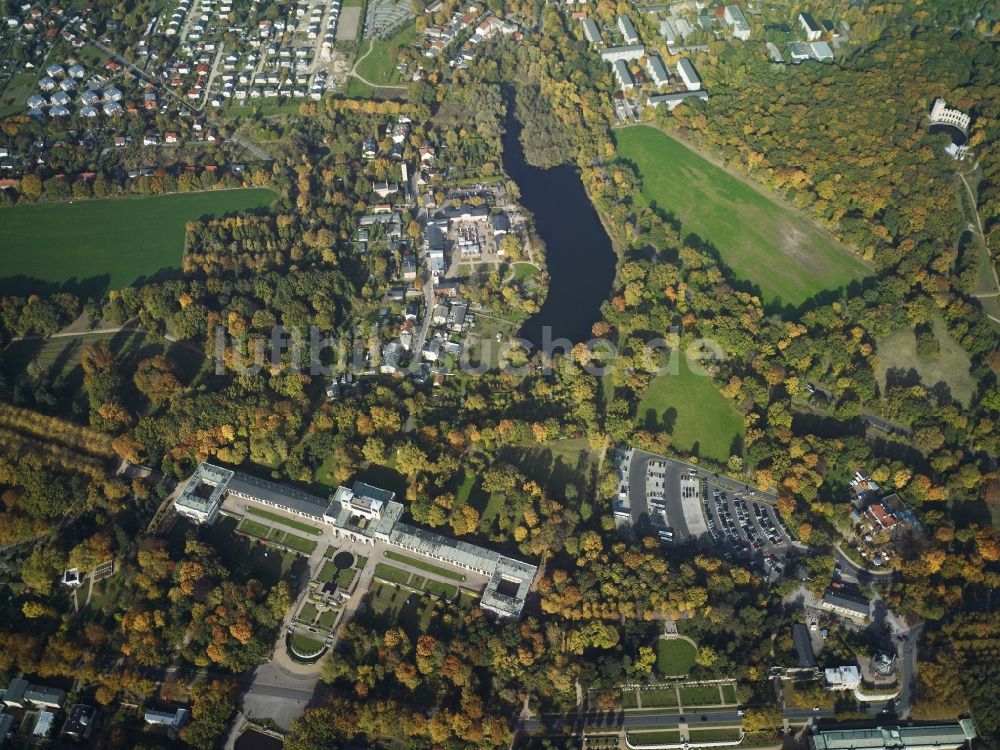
898, 356
784, 255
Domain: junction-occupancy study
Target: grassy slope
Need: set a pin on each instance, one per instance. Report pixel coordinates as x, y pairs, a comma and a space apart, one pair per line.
700, 418
786, 257
379, 67
115, 241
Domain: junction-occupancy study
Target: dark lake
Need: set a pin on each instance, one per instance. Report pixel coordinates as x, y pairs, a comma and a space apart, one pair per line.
581, 261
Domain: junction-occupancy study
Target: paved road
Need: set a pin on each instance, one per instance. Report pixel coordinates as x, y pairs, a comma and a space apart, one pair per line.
906, 649
864, 575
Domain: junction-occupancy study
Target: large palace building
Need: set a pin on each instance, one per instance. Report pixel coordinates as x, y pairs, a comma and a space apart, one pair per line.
363, 514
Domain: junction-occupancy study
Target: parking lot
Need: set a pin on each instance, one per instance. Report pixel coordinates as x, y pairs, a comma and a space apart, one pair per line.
686, 503
740, 523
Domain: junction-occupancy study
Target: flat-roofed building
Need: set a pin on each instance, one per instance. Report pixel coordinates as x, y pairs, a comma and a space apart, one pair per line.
672, 100
80, 722
657, 71
633, 52
941, 736
688, 74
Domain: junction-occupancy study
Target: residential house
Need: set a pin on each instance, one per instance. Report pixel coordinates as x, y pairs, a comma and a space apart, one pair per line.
625, 26
688, 74
657, 71
812, 29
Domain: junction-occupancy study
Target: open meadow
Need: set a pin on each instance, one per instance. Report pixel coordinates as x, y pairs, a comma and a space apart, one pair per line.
698, 417
785, 256
897, 353
93, 246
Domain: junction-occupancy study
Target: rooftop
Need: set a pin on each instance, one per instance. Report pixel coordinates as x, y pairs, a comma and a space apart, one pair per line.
943, 735
204, 490
279, 494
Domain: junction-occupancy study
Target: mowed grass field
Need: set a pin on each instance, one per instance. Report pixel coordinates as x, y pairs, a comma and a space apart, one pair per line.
952, 366
109, 243
674, 656
787, 257
689, 406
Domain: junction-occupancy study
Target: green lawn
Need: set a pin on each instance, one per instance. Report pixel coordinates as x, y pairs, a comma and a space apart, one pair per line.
16, 92
327, 573
523, 271
391, 573
253, 528
658, 698
105, 244
729, 693
700, 695
467, 600
299, 544
689, 406
379, 67
305, 645
655, 737
416, 562
629, 699
308, 612
284, 521
719, 734
327, 619
346, 578
783, 254
444, 590
674, 656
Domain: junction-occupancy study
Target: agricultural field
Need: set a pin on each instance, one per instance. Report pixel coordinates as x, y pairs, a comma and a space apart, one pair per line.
674, 657
91, 246
699, 418
787, 257
952, 366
